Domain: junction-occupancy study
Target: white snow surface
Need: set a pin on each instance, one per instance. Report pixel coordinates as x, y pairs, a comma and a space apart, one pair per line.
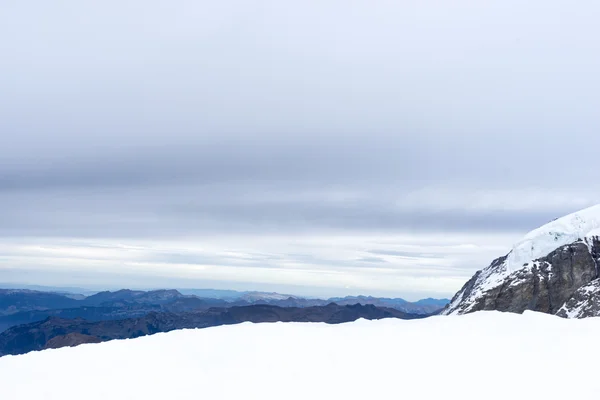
484, 355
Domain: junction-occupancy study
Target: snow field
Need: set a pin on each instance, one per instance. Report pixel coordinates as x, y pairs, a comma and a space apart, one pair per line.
485, 355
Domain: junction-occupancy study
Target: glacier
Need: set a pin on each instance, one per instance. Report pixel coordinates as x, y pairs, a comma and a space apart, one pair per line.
562, 231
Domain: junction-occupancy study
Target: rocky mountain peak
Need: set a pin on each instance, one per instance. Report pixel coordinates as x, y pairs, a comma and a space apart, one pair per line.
554, 269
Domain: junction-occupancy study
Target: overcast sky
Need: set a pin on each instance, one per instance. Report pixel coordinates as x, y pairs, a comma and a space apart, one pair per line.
315, 147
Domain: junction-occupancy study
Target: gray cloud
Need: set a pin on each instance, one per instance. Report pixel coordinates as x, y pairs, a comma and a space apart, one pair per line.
312, 264
190, 209
232, 118
371, 260
405, 254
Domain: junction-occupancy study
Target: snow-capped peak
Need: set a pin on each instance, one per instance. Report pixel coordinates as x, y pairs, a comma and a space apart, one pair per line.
521, 261
562, 231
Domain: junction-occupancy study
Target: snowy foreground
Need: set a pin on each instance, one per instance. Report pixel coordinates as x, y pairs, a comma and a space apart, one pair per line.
485, 355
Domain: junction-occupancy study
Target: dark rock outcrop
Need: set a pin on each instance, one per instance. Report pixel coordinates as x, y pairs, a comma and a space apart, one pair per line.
549, 284
70, 340
544, 286
584, 303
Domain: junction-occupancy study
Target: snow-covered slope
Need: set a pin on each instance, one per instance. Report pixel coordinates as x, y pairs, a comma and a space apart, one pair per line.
386, 359
536, 260
540, 242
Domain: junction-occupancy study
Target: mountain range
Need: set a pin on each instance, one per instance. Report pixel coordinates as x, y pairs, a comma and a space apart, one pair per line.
59, 332
26, 306
36, 320
554, 269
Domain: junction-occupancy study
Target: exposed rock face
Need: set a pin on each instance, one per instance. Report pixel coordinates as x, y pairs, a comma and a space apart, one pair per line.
544, 285
70, 340
565, 281
584, 303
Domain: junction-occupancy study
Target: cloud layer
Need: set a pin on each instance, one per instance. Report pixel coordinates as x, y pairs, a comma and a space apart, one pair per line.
138, 124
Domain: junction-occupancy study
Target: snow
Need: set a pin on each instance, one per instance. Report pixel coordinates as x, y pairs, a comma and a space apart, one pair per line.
562, 231
574, 312
484, 355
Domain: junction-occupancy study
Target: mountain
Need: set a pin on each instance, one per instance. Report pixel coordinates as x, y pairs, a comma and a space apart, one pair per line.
70, 340
84, 312
110, 309
53, 331
15, 300
439, 303
168, 300
133, 296
425, 306
234, 295
121, 304
26, 306
213, 293
64, 290
263, 296
553, 269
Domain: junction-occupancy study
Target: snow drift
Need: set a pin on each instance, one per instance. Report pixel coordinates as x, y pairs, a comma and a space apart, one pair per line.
487, 355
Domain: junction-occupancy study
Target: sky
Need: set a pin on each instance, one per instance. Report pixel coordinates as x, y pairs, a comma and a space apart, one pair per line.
319, 147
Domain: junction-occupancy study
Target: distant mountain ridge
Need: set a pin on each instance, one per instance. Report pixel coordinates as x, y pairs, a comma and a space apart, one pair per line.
58, 332
13, 300
133, 296
26, 306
